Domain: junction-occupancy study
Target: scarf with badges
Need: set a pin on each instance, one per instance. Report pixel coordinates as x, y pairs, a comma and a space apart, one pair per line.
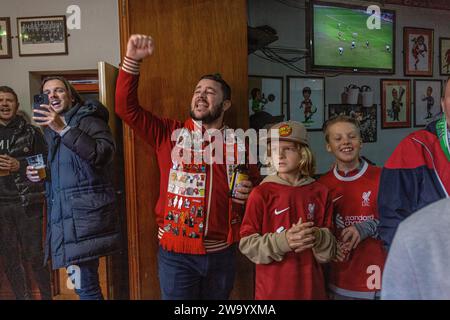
186, 203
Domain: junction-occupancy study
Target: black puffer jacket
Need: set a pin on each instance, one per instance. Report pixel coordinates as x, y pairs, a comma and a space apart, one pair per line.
25, 140
83, 222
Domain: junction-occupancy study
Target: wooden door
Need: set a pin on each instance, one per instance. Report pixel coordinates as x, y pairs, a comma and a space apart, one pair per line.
192, 38
116, 266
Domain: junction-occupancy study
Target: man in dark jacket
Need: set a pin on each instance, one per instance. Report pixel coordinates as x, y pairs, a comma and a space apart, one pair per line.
22, 202
82, 221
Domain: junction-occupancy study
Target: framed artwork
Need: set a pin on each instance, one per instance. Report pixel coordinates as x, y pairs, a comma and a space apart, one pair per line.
367, 117
444, 56
418, 51
39, 36
265, 94
395, 103
306, 101
5, 38
427, 101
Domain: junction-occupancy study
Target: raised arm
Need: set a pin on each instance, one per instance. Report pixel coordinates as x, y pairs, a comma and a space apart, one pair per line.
150, 127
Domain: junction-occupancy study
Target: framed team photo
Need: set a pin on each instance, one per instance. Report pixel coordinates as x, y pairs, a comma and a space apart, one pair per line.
306, 101
40, 36
395, 103
427, 101
418, 51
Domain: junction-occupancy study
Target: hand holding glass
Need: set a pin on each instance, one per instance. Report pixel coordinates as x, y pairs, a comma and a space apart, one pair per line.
37, 162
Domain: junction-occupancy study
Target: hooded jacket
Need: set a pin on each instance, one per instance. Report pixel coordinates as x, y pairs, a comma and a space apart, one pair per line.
82, 223
20, 141
271, 210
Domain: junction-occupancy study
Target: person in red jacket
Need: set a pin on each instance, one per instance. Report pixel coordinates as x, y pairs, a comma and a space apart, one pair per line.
354, 188
197, 218
285, 227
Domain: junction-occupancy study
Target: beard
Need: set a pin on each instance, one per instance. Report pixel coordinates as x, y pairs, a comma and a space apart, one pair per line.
211, 116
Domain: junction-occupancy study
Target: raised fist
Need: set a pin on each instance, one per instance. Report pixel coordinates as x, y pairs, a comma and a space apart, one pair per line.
139, 46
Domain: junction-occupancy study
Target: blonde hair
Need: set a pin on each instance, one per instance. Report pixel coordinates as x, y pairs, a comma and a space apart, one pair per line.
338, 119
307, 163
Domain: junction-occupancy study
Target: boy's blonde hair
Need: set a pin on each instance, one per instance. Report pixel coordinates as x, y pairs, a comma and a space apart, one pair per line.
307, 164
337, 119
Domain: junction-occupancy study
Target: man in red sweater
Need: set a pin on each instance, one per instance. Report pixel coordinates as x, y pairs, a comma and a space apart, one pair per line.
198, 221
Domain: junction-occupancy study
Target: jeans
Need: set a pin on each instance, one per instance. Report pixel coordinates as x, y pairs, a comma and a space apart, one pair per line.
196, 277
85, 278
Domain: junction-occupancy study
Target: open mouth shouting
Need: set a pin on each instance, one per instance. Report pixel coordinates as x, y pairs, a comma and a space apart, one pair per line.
6, 111
201, 105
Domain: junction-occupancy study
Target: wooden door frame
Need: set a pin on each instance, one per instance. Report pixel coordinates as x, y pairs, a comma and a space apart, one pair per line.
130, 176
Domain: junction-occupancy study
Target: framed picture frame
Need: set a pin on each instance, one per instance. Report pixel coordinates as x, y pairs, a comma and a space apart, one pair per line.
444, 56
395, 103
306, 101
265, 94
418, 51
427, 101
367, 117
5, 38
40, 36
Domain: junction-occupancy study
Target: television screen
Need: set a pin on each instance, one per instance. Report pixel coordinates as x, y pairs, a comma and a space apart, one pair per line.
347, 38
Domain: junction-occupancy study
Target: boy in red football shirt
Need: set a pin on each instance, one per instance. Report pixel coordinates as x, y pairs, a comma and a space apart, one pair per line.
354, 188
285, 227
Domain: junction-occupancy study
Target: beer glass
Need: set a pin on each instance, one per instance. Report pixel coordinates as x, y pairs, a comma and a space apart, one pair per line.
37, 162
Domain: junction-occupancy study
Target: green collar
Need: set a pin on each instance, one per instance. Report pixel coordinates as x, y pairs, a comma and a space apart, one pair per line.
442, 133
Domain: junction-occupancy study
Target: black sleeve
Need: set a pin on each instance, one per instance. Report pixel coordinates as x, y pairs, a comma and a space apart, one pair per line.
91, 141
40, 145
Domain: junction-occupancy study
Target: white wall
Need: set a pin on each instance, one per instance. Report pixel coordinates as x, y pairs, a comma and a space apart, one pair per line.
97, 40
289, 22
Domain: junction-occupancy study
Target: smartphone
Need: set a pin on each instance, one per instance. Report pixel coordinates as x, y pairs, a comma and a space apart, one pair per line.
39, 99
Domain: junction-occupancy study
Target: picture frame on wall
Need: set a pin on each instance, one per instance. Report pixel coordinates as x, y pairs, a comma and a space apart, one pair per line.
418, 51
40, 36
427, 101
5, 38
395, 103
444, 56
265, 94
367, 117
306, 101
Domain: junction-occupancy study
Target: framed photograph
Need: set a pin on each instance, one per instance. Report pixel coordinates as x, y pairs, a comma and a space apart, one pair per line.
367, 117
39, 36
427, 101
306, 101
395, 103
444, 56
265, 94
5, 38
418, 51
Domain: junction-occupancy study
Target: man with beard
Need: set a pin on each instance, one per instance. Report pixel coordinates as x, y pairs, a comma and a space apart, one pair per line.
197, 234
22, 202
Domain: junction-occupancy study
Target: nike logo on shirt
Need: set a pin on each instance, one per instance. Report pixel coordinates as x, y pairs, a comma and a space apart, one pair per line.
281, 211
336, 199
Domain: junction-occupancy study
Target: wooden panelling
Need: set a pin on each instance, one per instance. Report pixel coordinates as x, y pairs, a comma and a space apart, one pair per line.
192, 38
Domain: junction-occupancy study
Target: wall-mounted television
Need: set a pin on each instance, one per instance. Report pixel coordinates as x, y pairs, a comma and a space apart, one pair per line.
340, 40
